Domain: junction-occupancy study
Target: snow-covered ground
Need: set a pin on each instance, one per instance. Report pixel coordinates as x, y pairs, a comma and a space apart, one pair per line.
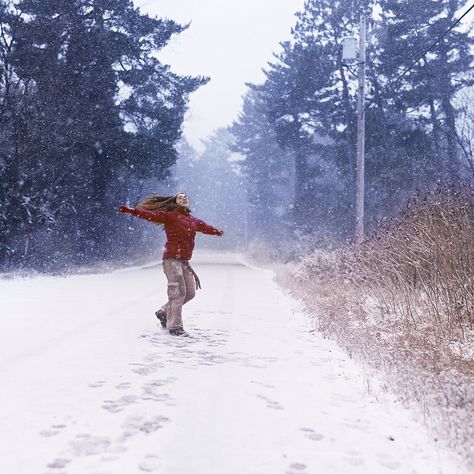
91, 385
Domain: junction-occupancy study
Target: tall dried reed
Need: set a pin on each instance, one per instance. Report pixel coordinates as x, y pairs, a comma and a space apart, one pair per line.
421, 264
403, 303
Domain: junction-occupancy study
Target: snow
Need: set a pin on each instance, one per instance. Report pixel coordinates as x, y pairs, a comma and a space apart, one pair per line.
91, 384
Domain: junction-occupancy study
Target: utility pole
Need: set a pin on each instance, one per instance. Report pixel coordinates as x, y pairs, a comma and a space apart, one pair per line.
360, 167
246, 216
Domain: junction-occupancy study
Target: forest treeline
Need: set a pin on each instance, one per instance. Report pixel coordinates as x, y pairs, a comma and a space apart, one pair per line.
87, 114
298, 129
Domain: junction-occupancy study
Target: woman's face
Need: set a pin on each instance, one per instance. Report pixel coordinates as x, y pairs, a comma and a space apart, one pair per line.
182, 200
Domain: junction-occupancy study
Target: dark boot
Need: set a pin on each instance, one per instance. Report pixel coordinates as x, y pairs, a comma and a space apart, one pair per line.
161, 315
179, 332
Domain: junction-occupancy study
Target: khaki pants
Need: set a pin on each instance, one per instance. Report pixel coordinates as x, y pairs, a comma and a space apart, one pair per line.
181, 289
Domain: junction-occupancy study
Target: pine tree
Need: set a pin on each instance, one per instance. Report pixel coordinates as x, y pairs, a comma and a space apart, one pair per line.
21, 204
268, 171
103, 104
309, 97
429, 88
311, 105
293, 85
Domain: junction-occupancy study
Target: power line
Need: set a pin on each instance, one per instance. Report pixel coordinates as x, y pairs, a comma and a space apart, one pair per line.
431, 47
402, 7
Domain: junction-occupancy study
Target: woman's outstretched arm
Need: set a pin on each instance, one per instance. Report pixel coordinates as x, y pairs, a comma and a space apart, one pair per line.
201, 226
159, 217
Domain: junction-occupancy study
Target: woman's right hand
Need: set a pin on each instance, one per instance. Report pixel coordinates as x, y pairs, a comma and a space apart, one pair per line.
124, 209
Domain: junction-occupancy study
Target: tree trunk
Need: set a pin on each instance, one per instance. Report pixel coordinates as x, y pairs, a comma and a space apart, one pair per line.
301, 186
453, 166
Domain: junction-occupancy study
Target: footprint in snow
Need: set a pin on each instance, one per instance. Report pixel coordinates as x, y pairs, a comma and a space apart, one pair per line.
150, 464
88, 445
209, 358
311, 434
155, 391
59, 463
261, 384
148, 369
116, 406
296, 468
270, 403
53, 431
137, 424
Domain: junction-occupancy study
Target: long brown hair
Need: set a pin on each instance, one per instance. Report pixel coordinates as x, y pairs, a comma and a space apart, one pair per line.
159, 203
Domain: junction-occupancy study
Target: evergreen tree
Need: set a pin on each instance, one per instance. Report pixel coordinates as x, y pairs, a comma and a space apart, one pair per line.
309, 96
311, 105
21, 203
268, 171
103, 106
294, 84
428, 89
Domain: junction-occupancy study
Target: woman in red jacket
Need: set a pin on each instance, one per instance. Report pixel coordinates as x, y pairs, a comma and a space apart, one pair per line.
180, 227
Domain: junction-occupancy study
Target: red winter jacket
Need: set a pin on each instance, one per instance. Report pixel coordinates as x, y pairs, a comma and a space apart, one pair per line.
180, 228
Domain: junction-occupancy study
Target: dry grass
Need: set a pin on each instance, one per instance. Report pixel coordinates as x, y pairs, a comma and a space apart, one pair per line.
403, 302
421, 265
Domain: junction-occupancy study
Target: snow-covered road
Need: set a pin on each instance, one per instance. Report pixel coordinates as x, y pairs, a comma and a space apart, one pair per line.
91, 385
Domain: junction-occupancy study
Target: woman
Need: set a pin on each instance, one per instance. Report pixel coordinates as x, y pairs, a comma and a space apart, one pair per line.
180, 227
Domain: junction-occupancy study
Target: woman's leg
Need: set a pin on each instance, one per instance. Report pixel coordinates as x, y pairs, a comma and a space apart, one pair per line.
165, 307
176, 292
190, 284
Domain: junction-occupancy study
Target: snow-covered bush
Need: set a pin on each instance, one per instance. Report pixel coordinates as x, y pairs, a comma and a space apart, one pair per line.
403, 304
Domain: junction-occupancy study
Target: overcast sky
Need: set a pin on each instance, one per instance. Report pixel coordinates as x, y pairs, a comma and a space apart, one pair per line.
228, 40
